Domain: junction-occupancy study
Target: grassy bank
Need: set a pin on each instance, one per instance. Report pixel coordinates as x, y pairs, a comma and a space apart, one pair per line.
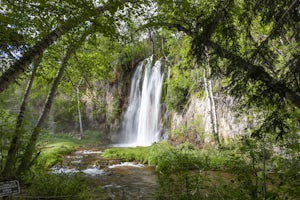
188, 173
184, 172
53, 147
168, 159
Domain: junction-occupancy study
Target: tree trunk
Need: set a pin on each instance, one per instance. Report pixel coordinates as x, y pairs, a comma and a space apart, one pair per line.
10, 164
212, 105
264, 176
256, 72
35, 52
27, 160
213, 111
29, 150
78, 108
212, 108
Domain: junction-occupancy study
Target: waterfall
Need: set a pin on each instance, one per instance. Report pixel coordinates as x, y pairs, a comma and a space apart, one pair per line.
141, 123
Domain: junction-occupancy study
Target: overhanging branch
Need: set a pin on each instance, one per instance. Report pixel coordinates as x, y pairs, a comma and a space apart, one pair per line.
35, 52
257, 72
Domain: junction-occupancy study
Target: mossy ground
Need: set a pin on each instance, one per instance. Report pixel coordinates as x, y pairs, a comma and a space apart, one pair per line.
54, 146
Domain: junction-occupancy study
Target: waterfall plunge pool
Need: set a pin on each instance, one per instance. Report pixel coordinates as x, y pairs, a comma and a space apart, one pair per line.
129, 180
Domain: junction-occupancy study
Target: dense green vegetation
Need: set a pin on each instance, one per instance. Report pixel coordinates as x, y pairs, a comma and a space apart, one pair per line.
54, 147
167, 159
66, 68
245, 170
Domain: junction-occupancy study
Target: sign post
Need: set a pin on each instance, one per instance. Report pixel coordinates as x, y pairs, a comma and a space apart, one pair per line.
9, 188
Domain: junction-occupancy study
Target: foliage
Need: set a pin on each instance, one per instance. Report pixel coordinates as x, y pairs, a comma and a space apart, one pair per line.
261, 158
178, 90
58, 185
168, 159
188, 173
53, 147
7, 123
253, 47
245, 43
286, 166
179, 84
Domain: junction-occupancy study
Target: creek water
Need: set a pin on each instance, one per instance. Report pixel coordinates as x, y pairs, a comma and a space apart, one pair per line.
140, 127
141, 121
120, 180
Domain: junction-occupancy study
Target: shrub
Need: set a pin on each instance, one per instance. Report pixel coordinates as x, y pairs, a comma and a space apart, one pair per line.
61, 186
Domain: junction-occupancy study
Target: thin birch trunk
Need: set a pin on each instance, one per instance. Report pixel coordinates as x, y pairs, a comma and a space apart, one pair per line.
79, 112
213, 110
212, 106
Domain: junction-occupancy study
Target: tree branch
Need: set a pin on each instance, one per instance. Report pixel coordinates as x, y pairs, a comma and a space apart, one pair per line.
257, 73
37, 50
276, 27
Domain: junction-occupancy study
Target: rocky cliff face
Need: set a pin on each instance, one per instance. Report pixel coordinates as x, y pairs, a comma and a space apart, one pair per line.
194, 124
104, 103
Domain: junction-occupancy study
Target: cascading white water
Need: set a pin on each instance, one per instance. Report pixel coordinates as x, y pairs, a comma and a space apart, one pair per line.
141, 124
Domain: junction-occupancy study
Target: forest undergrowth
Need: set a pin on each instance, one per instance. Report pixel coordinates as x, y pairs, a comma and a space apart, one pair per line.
241, 170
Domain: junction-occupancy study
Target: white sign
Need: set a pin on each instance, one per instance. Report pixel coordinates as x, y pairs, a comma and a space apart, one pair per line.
9, 188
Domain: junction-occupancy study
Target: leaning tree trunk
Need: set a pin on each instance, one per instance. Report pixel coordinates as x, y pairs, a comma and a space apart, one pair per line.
256, 72
26, 160
10, 164
35, 52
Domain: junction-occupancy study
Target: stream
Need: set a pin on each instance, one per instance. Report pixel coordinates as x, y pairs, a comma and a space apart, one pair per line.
120, 180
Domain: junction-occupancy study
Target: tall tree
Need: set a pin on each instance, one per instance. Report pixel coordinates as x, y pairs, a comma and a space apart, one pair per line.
257, 39
34, 52
9, 169
26, 160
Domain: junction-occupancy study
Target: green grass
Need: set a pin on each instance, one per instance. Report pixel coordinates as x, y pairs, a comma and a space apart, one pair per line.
127, 154
168, 159
182, 172
54, 146
53, 153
